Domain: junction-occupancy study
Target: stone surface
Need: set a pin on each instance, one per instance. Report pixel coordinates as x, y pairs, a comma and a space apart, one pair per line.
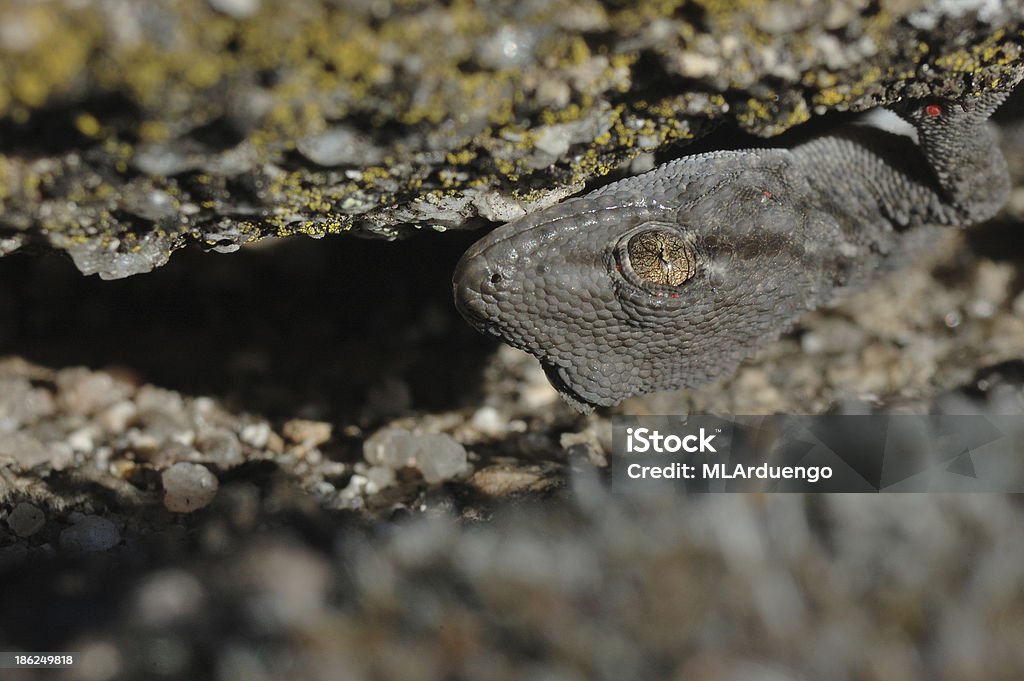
25, 520
88, 534
130, 133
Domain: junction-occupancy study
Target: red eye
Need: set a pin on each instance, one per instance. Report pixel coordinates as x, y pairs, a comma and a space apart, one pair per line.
933, 110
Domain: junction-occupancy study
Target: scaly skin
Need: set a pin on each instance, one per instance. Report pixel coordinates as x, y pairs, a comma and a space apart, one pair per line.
669, 279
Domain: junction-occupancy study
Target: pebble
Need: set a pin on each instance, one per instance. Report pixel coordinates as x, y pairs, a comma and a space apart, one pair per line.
504, 480
489, 421
188, 487
379, 477
24, 451
25, 520
81, 440
170, 454
90, 533
307, 433
117, 416
382, 448
20, 403
256, 434
437, 455
85, 392
220, 447
160, 400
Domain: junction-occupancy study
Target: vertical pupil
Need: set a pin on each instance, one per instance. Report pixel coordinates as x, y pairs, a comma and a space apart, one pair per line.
661, 258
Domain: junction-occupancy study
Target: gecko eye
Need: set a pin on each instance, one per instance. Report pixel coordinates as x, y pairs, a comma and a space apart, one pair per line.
658, 257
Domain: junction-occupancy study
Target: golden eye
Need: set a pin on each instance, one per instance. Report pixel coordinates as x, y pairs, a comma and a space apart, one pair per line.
661, 257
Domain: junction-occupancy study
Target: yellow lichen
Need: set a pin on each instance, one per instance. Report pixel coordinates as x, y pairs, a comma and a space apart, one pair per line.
88, 125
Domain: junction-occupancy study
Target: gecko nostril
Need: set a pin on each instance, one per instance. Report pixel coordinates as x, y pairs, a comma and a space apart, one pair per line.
496, 278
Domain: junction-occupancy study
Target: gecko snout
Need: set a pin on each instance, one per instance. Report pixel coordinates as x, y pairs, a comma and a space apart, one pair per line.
477, 283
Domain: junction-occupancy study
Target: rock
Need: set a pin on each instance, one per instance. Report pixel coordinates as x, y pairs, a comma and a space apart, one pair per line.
437, 455
188, 487
220, 447
364, 125
82, 440
23, 451
256, 434
116, 417
382, 448
503, 480
20, 403
158, 400
25, 520
377, 478
119, 258
489, 421
89, 534
309, 434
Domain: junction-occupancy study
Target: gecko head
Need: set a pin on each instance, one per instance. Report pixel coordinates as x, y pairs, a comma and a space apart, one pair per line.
620, 301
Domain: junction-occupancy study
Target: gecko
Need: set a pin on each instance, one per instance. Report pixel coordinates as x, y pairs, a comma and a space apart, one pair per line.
670, 279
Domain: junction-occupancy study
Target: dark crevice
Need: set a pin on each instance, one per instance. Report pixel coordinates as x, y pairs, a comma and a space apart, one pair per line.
218, 135
56, 129
341, 328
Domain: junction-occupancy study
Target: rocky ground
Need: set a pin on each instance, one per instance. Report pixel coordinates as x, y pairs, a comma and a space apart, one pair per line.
297, 461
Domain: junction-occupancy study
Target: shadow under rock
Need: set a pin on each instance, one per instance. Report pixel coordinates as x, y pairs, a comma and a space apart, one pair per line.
339, 328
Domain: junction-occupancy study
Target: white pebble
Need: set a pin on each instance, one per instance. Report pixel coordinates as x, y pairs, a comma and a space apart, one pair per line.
256, 434
81, 440
439, 457
116, 417
384, 448
488, 421
220, 447
188, 487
